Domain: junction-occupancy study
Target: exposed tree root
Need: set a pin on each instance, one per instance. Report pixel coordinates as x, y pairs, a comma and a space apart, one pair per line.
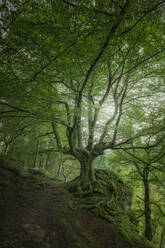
108, 197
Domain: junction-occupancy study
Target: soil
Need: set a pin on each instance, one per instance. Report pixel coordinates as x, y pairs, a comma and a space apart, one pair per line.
33, 217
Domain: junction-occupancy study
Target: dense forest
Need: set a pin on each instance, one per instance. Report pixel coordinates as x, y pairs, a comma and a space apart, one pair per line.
82, 89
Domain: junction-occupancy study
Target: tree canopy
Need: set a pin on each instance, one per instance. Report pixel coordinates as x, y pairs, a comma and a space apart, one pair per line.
80, 79
87, 72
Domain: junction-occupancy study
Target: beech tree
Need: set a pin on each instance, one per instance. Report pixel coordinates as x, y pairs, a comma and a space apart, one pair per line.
146, 162
144, 168
83, 69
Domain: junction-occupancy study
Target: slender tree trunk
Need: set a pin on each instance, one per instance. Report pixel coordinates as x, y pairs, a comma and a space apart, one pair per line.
47, 161
5, 149
40, 162
147, 209
62, 172
36, 155
9, 147
60, 168
60, 165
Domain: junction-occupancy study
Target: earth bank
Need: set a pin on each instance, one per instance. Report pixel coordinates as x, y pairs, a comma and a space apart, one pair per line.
36, 211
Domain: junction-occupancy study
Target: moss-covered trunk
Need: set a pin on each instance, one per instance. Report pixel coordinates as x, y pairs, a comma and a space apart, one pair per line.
87, 175
85, 182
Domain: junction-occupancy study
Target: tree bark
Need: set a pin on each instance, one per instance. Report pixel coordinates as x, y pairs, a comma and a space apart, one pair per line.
36, 155
60, 166
40, 162
47, 161
87, 175
147, 209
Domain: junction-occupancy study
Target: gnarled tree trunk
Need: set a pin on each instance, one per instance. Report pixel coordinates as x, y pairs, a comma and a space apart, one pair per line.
87, 175
86, 180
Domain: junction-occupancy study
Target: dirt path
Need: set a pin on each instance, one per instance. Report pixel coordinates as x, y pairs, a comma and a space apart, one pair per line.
40, 218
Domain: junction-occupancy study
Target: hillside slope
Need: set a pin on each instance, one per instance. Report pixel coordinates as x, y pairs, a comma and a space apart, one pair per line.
35, 217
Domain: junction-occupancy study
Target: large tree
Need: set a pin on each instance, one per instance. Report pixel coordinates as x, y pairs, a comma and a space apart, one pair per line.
82, 67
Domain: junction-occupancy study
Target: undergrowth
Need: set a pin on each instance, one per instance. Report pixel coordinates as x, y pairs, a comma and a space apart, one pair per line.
13, 172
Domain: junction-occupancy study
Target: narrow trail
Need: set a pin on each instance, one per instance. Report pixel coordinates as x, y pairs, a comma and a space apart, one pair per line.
31, 217
40, 218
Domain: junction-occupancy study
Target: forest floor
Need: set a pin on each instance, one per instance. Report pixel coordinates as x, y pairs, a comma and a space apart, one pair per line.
39, 217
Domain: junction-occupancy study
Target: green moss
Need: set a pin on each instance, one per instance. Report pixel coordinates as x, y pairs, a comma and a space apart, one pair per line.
71, 204
124, 226
111, 200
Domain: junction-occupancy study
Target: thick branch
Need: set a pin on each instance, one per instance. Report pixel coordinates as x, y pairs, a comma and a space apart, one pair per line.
54, 59
111, 33
67, 110
17, 108
56, 135
115, 26
32, 114
157, 6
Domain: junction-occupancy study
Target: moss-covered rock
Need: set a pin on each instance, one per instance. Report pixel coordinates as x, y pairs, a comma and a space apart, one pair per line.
110, 199
111, 185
